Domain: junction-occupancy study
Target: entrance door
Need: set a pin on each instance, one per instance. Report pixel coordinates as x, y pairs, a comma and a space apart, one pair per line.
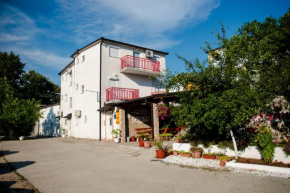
136, 61
109, 125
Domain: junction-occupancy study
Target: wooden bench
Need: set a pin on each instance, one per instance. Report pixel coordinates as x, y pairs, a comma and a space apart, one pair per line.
144, 130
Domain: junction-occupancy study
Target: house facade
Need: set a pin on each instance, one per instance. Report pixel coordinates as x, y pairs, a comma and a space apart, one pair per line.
101, 73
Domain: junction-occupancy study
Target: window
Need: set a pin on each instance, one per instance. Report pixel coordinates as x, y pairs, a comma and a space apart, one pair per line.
83, 58
77, 86
70, 102
65, 97
114, 52
85, 118
78, 60
83, 88
65, 121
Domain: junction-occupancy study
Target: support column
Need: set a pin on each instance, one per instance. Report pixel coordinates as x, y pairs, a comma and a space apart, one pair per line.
123, 125
155, 120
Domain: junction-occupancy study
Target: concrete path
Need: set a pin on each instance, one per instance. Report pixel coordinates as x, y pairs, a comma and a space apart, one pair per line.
71, 165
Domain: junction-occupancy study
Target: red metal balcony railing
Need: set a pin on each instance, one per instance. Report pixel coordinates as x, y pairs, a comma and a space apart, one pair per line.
141, 63
115, 93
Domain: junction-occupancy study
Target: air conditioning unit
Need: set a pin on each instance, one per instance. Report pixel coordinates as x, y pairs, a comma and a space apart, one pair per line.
78, 113
149, 53
69, 71
59, 113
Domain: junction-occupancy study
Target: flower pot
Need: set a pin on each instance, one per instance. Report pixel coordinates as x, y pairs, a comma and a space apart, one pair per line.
63, 135
185, 155
170, 153
222, 163
205, 156
152, 144
141, 143
217, 157
197, 154
160, 154
21, 138
175, 153
133, 139
225, 160
147, 144
177, 140
117, 140
128, 139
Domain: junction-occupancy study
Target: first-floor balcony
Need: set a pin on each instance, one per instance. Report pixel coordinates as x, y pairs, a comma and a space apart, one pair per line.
121, 94
140, 66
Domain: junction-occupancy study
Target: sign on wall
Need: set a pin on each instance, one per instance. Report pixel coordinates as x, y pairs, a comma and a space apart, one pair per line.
117, 117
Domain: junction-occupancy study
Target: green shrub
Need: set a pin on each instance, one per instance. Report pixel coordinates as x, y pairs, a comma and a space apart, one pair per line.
265, 144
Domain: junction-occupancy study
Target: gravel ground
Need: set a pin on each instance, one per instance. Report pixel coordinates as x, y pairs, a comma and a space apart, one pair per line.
215, 165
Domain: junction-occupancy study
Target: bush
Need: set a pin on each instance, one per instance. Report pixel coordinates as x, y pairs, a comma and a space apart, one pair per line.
265, 144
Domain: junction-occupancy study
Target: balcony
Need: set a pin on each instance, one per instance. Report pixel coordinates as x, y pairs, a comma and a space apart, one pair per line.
140, 66
115, 94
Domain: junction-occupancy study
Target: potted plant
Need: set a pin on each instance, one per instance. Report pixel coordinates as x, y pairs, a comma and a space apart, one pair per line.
133, 138
128, 139
185, 154
169, 152
152, 143
178, 138
175, 153
223, 160
218, 155
208, 156
196, 152
117, 135
21, 138
63, 131
158, 138
168, 136
146, 141
160, 152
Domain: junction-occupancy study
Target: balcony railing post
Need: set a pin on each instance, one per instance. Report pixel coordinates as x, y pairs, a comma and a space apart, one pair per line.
141, 63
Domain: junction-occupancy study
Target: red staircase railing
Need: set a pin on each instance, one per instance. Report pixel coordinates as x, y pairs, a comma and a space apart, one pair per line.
141, 63
115, 93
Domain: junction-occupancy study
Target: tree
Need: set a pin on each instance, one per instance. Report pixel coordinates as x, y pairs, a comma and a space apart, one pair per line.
37, 86
11, 68
222, 95
17, 116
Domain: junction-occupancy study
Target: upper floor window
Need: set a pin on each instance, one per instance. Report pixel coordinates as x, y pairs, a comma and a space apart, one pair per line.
70, 102
78, 60
114, 52
83, 88
83, 58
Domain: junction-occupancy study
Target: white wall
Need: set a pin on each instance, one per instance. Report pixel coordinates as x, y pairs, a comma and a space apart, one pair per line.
48, 125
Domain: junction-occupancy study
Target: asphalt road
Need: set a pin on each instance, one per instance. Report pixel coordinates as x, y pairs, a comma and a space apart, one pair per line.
71, 165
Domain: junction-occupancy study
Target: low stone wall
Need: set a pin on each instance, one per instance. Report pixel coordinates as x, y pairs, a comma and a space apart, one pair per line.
249, 152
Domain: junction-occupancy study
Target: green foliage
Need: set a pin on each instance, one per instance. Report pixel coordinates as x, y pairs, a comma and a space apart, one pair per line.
37, 86
184, 152
116, 132
159, 145
224, 157
286, 149
266, 145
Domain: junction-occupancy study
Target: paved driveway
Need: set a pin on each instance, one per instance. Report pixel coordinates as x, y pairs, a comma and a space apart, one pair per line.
71, 165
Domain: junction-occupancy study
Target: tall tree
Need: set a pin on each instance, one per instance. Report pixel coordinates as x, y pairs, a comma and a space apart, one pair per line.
37, 86
11, 68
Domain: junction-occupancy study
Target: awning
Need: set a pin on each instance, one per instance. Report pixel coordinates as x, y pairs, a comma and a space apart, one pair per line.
68, 116
106, 108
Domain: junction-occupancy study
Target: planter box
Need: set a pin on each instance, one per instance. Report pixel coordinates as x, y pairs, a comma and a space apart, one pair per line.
185, 155
204, 156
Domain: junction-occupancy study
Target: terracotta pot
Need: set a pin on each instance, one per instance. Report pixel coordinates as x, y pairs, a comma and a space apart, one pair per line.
133, 139
185, 155
217, 157
141, 143
225, 160
177, 140
222, 163
171, 153
204, 156
175, 153
152, 144
197, 154
160, 154
147, 144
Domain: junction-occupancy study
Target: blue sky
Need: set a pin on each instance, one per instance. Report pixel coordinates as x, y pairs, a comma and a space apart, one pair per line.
46, 32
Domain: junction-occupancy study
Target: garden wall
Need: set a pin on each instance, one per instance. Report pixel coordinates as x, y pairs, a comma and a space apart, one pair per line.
249, 152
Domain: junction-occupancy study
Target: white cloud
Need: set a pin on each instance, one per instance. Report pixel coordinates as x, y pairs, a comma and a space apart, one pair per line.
133, 20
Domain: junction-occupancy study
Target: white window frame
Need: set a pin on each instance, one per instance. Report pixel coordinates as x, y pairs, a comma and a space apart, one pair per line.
70, 102
113, 55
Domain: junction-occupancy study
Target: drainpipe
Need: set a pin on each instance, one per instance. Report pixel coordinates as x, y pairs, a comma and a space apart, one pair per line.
100, 114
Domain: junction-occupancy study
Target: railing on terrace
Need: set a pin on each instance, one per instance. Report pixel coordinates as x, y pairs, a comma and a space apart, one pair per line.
115, 93
141, 63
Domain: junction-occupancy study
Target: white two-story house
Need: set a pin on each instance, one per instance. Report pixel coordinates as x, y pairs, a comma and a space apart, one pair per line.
102, 72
